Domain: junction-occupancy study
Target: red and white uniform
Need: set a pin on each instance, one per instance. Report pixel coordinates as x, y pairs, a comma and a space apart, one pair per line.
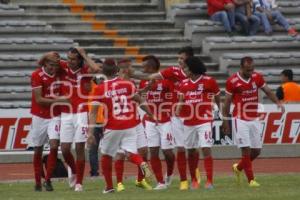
74, 117
198, 106
120, 112
246, 125
176, 75
45, 119
160, 100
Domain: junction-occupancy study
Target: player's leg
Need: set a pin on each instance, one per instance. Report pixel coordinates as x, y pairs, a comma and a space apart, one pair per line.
191, 164
157, 168
178, 133
53, 134
93, 152
119, 170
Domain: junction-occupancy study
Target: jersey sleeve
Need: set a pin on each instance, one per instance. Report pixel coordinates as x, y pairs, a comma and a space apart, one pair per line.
142, 84
167, 73
36, 81
214, 86
260, 81
229, 87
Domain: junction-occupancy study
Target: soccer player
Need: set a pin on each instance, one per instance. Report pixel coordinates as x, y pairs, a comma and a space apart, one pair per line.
125, 69
159, 133
177, 75
45, 116
196, 98
74, 117
242, 90
117, 96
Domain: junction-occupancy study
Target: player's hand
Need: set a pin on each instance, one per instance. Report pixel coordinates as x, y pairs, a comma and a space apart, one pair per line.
154, 118
229, 6
281, 107
81, 51
91, 140
225, 127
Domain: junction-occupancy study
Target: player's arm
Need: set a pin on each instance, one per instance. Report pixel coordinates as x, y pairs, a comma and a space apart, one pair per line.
144, 106
179, 104
226, 111
93, 67
37, 92
271, 95
92, 122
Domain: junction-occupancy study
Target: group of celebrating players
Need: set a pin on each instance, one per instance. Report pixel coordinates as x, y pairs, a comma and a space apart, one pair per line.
171, 108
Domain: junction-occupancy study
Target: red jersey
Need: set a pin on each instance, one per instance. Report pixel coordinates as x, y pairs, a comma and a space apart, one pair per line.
76, 88
160, 99
198, 99
214, 6
245, 95
50, 89
120, 110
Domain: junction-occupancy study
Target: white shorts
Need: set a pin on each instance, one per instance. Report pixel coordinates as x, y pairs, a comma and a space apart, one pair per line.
159, 135
141, 136
115, 141
247, 133
42, 130
177, 131
198, 136
74, 127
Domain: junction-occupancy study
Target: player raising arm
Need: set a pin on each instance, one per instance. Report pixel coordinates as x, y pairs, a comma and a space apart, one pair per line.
242, 90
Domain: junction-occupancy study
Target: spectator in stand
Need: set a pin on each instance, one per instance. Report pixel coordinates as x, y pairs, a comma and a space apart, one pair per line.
222, 11
267, 11
289, 91
245, 16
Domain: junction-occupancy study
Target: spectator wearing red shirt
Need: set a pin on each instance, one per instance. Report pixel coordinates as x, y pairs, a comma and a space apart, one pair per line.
222, 11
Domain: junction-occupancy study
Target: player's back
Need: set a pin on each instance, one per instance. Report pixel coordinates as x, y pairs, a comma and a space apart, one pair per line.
120, 110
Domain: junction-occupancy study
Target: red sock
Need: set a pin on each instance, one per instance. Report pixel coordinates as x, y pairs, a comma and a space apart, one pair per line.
157, 168
80, 165
119, 170
106, 164
240, 165
208, 165
136, 159
170, 165
69, 159
51, 163
246, 164
192, 166
38, 167
181, 164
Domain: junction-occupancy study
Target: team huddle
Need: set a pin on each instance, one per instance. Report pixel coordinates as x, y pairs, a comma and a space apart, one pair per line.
164, 110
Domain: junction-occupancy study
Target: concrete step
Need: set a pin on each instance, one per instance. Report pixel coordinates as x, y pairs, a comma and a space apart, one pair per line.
81, 1
49, 17
154, 41
85, 34
119, 25
97, 8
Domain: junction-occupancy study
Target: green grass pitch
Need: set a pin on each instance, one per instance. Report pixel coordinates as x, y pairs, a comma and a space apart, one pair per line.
273, 187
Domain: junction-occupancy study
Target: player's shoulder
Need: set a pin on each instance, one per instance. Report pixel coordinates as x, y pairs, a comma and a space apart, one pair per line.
37, 73
208, 78
233, 78
257, 74
185, 82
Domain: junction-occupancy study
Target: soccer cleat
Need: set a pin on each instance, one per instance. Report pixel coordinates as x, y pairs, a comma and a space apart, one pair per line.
72, 180
147, 172
195, 185
108, 191
253, 183
48, 186
184, 185
78, 188
143, 184
198, 175
209, 186
38, 188
120, 187
168, 179
237, 173
160, 186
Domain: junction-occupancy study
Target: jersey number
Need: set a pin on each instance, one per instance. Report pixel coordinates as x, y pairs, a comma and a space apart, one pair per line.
120, 104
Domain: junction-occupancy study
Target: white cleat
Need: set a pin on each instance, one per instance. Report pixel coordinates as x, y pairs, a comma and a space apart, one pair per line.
78, 188
108, 191
168, 179
160, 186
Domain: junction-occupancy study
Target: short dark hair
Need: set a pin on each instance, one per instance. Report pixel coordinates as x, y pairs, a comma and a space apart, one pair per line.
288, 73
246, 59
98, 61
73, 50
195, 65
188, 50
109, 67
153, 61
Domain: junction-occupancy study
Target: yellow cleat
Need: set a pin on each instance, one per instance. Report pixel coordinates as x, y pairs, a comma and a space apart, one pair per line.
237, 173
254, 184
143, 184
184, 185
120, 187
147, 172
198, 175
